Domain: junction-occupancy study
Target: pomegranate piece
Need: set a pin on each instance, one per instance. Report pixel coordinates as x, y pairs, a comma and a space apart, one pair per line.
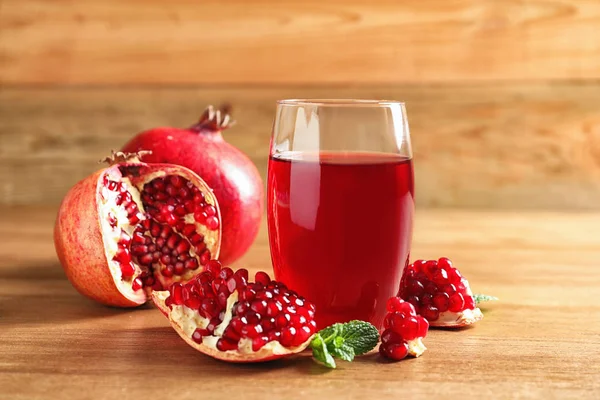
404, 331
232, 175
129, 229
221, 314
439, 293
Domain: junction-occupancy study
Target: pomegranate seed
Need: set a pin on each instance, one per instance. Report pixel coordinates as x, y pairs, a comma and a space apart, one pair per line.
252, 331
210, 210
449, 289
224, 345
136, 284
440, 277
393, 304
173, 241
167, 271
469, 303
122, 256
262, 278
176, 291
259, 342
226, 273
213, 266
423, 327
179, 268
430, 268
188, 230
231, 334
200, 217
197, 239
183, 246
145, 259
456, 302
112, 220
177, 181
430, 312
302, 335
389, 336
259, 306
191, 263
111, 185
212, 223
282, 320
127, 270
394, 351
431, 288
416, 288
287, 336
440, 301
138, 238
161, 196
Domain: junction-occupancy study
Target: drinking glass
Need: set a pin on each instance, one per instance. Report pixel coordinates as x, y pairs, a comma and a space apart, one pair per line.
340, 203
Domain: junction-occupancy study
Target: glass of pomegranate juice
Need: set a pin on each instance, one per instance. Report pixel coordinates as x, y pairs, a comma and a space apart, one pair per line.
341, 204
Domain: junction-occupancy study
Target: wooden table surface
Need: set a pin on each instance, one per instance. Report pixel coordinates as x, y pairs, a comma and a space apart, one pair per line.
542, 340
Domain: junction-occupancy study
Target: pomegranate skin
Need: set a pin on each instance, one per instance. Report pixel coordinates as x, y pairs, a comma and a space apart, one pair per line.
78, 242
229, 172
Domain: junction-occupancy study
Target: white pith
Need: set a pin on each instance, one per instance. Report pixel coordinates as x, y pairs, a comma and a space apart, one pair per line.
110, 235
465, 317
416, 347
188, 320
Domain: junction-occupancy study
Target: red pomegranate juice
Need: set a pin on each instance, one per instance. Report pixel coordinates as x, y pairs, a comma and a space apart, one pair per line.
340, 227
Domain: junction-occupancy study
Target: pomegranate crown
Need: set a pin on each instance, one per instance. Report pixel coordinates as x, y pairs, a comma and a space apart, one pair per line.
215, 119
117, 157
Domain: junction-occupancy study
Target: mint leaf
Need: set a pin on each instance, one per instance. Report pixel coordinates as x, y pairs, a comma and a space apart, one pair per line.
360, 335
321, 353
344, 352
480, 298
344, 341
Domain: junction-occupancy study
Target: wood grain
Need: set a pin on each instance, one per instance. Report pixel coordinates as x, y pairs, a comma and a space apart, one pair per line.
540, 341
297, 41
502, 146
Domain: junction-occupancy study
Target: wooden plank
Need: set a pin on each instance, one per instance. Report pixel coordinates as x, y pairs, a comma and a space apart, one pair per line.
531, 344
297, 41
518, 146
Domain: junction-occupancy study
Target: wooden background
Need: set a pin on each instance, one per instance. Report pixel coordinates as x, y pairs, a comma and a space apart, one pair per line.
503, 97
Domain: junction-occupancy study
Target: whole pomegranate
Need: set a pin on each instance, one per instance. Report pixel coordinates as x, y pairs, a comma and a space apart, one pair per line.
229, 172
221, 314
133, 227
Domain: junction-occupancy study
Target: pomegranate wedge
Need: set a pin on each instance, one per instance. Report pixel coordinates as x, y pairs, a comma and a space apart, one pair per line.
221, 314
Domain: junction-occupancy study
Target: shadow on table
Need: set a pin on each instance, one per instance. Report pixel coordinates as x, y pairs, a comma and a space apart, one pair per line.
41, 294
42, 271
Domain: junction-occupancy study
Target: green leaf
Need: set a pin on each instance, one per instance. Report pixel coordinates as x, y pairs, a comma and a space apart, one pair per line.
344, 352
360, 335
344, 341
480, 298
321, 353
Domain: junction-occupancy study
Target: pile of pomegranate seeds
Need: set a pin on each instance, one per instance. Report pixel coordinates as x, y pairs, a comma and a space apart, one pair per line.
404, 330
265, 310
165, 236
439, 293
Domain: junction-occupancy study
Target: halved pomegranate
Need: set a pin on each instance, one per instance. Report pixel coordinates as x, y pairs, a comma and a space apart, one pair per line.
439, 293
134, 227
221, 314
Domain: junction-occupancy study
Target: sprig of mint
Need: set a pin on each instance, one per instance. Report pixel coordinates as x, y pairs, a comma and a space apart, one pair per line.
480, 298
343, 341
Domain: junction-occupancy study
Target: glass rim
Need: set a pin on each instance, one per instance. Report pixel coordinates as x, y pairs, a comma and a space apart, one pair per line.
340, 102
